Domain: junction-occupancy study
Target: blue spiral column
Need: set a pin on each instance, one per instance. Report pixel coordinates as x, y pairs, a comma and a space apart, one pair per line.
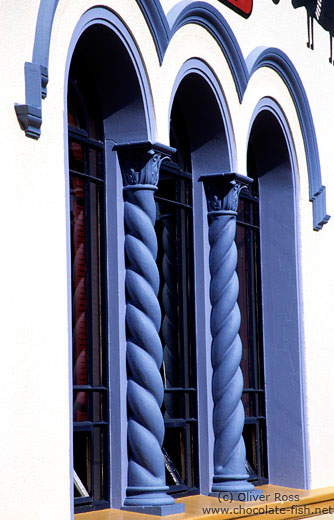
146, 491
169, 327
230, 475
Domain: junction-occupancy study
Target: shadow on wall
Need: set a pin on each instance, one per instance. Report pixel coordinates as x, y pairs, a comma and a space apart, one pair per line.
323, 12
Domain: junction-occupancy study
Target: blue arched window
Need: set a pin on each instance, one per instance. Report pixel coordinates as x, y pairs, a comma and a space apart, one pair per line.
272, 164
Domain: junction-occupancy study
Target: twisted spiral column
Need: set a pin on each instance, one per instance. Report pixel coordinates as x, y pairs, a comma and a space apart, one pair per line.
79, 301
169, 300
146, 489
222, 193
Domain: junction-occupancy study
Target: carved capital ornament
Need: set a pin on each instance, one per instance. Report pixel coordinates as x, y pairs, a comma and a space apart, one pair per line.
140, 163
222, 192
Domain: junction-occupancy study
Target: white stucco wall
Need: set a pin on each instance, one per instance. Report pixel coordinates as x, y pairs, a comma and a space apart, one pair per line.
34, 445
34, 407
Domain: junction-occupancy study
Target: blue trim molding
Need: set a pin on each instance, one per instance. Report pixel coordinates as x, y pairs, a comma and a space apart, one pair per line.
226, 159
30, 113
280, 63
162, 30
36, 72
157, 22
205, 15
46, 12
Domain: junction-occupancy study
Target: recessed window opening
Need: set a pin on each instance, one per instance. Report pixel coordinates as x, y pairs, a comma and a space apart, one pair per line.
174, 229
250, 304
271, 160
90, 374
198, 133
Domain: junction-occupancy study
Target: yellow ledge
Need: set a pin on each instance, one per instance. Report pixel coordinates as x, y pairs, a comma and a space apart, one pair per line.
279, 502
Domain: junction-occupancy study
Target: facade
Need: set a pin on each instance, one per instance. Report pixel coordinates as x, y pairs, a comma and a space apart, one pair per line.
167, 276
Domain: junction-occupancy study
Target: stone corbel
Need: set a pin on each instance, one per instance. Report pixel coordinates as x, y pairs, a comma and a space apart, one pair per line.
30, 113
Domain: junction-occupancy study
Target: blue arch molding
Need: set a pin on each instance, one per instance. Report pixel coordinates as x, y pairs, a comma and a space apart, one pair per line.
280, 63
162, 29
203, 14
36, 72
158, 24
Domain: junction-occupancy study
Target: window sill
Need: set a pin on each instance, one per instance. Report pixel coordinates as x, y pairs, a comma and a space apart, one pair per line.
308, 503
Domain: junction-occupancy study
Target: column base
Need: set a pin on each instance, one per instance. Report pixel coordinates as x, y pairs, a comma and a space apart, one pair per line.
238, 496
163, 510
151, 500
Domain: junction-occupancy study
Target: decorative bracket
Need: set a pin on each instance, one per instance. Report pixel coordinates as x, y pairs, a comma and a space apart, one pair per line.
30, 113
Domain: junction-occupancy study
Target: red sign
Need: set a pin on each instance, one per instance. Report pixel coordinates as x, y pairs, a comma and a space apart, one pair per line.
243, 7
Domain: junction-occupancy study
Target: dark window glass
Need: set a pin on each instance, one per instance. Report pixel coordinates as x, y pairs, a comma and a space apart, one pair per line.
90, 392
174, 229
248, 268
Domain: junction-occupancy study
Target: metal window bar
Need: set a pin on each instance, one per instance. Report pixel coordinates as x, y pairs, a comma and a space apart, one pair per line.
89, 388
81, 136
87, 177
247, 225
180, 389
173, 203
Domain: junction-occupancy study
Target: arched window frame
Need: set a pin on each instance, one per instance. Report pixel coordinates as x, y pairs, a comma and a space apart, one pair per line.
222, 156
288, 462
115, 262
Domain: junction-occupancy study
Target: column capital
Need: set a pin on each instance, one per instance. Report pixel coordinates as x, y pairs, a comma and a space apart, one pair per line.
222, 191
140, 162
